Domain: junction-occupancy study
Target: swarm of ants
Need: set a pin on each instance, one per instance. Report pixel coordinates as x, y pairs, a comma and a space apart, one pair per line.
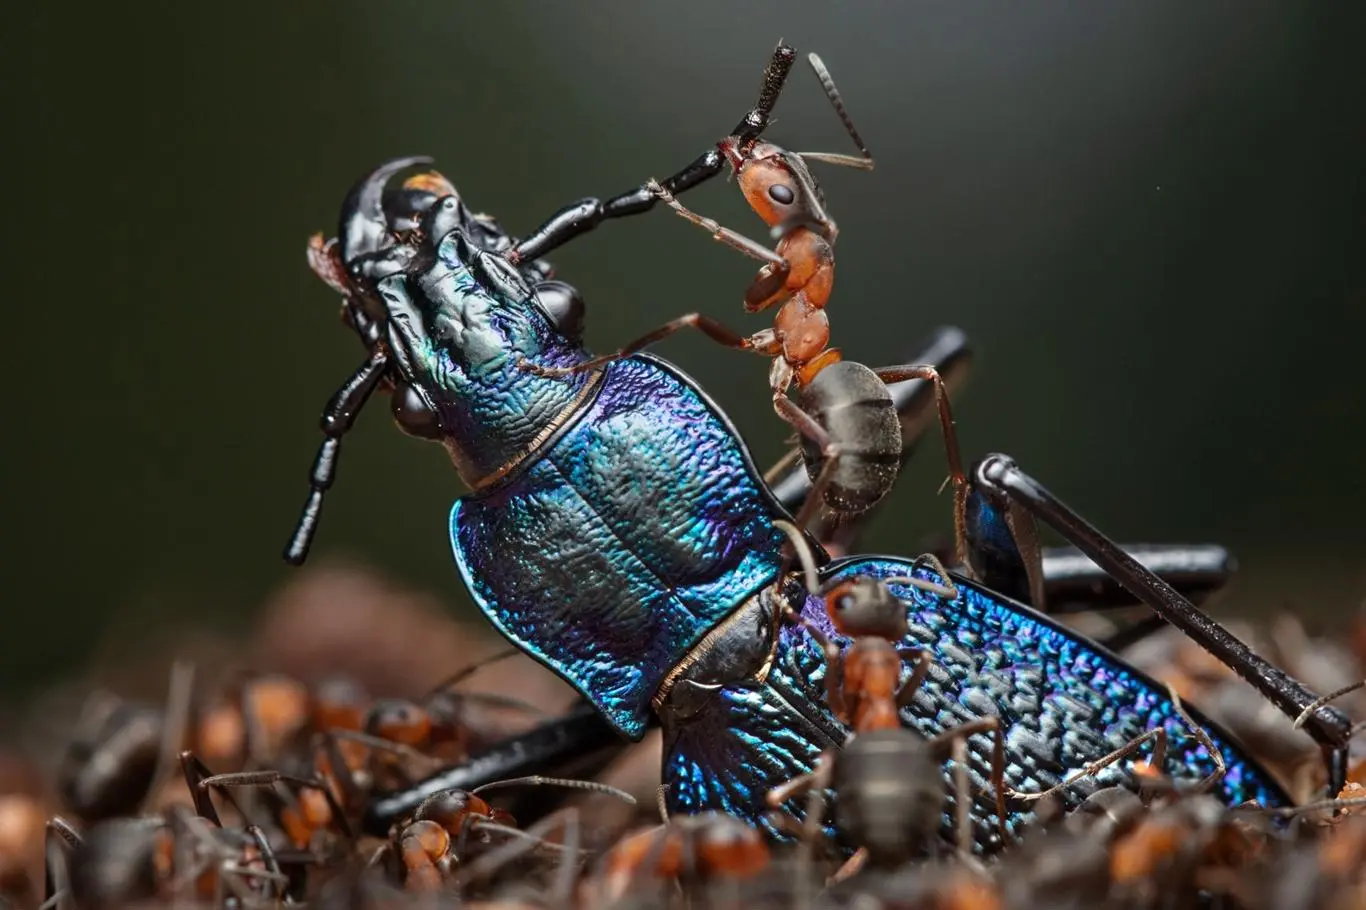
247, 789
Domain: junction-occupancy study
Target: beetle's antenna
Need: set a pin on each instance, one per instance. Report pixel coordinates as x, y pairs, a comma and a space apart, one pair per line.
337, 419
864, 163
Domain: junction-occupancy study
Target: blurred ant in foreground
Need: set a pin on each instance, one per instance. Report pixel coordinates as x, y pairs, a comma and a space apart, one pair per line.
844, 414
372, 744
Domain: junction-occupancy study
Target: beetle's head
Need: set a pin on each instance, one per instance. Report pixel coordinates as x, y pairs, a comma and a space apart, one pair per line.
386, 229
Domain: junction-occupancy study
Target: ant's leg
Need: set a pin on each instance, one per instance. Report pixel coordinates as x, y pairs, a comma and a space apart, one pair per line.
999, 478
733, 239
586, 214
704, 324
960, 734
919, 671
957, 477
807, 426
814, 784
269, 779
1157, 735
948, 351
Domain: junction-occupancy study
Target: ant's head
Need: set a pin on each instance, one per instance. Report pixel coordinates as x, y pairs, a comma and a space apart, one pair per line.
866, 606
779, 186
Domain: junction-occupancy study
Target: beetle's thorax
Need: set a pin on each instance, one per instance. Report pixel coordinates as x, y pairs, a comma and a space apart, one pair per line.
461, 323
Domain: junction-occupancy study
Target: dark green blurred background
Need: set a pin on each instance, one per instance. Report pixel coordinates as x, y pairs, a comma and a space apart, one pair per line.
1149, 218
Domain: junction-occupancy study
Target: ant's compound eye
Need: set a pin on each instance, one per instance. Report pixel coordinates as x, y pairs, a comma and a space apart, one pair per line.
845, 602
781, 193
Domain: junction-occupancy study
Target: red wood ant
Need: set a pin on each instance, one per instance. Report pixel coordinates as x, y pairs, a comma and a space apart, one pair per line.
850, 431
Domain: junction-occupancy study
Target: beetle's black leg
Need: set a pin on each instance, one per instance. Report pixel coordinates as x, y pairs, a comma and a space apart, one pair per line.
948, 352
337, 419
998, 477
579, 744
586, 214
1073, 583
1003, 553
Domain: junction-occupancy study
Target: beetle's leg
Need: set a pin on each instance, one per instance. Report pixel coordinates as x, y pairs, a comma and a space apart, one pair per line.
704, 324
586, 214
1074, 583
947, 350
998, 477
195, 772
579, 744
1003, 549
337, 419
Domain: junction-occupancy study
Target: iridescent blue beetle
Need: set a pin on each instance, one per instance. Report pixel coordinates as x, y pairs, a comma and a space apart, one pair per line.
619, 532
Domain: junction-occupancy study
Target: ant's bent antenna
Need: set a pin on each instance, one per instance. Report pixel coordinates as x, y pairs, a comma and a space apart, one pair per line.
864, 163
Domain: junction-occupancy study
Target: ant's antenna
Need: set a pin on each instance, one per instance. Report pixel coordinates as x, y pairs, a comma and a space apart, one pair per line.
864, 163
